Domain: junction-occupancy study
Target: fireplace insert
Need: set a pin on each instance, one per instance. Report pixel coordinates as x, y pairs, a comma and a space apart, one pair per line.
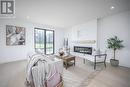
84, 50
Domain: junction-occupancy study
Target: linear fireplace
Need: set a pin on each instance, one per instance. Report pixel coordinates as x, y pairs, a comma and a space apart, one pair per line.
84, 50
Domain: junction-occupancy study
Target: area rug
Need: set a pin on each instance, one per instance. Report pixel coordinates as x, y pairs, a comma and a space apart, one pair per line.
81, 74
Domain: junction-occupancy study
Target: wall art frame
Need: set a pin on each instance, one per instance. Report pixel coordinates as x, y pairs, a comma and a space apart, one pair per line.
15, 35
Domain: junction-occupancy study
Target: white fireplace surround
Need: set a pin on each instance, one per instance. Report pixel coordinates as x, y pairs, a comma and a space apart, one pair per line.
88, 56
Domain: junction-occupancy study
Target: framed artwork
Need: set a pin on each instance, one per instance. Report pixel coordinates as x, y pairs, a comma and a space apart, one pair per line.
15, 35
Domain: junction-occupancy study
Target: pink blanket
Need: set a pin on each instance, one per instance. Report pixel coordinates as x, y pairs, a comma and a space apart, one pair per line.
54, 79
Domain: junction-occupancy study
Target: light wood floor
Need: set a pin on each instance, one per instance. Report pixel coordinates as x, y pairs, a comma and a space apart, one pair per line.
109, 77
112, 77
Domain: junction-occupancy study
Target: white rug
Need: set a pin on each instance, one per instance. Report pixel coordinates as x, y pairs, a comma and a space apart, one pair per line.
80, 75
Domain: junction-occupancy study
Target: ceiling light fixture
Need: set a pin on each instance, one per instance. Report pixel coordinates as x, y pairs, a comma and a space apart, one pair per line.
112, 7
28, 17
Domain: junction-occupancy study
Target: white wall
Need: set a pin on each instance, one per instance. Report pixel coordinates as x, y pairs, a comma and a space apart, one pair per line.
102, 29
82, 32
13, 53
118, 25
59, 39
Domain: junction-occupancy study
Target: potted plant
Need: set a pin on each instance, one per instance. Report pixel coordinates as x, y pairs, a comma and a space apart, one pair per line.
114, 43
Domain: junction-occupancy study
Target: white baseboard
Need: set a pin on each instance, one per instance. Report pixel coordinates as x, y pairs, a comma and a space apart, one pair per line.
11, 60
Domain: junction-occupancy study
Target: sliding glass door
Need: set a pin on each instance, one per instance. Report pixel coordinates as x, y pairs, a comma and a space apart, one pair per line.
49, 42
44, 41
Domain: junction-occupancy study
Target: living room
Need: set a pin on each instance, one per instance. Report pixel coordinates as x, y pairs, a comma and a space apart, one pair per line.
79, 23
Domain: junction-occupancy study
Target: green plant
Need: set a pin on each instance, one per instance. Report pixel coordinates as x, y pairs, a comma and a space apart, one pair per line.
115, 43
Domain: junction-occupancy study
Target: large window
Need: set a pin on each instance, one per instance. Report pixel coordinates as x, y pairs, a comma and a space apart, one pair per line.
44, 40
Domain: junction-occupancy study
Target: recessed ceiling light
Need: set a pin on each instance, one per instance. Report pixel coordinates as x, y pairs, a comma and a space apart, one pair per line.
28, 17
112, 7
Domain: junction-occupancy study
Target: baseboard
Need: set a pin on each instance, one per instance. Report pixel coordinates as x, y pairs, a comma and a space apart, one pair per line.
11, 60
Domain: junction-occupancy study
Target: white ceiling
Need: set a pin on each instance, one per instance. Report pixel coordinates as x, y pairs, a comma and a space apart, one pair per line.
67, 13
